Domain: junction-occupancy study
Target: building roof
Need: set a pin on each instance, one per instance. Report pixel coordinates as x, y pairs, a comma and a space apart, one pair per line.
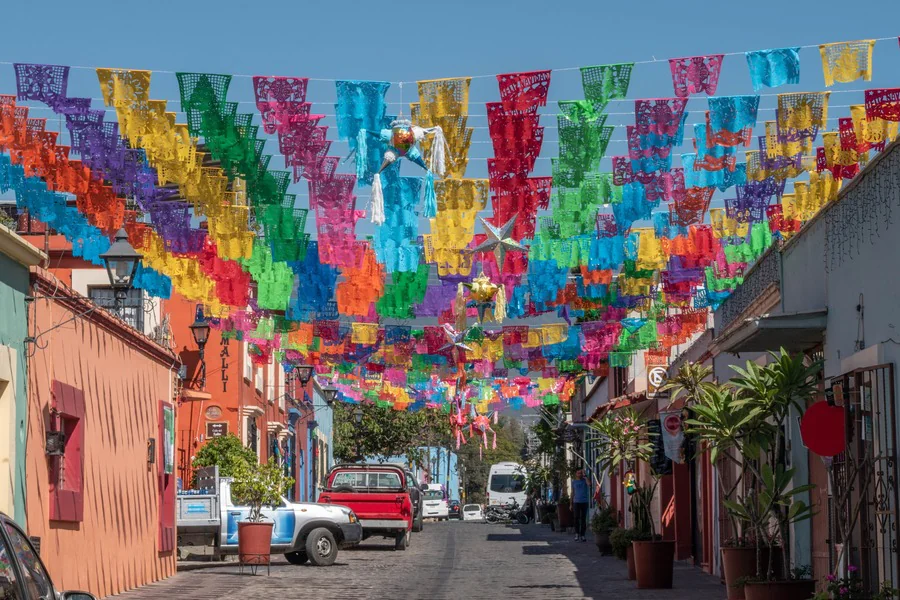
15, 247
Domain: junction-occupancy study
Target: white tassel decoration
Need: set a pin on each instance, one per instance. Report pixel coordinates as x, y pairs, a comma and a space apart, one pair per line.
377, 200
438, 161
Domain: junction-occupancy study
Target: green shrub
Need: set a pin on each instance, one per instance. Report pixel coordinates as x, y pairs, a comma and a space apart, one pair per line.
620, 539
259, 485
604, 520
225, 451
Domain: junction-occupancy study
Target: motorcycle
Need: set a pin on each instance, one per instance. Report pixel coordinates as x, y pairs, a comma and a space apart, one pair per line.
506, 513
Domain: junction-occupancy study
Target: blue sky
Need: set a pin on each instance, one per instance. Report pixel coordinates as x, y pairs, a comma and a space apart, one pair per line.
408, 41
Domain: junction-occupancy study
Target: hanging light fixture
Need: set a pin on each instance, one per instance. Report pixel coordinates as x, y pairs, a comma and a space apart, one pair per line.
121, 262
304, 373
330, 395
200, 330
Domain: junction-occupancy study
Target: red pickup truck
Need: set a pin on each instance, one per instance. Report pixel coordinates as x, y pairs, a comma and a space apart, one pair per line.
379, 497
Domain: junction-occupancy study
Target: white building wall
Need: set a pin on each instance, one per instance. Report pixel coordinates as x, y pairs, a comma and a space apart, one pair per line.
82, 279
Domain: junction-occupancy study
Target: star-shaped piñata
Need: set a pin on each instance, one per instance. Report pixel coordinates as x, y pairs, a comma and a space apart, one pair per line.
499, 241
455, 341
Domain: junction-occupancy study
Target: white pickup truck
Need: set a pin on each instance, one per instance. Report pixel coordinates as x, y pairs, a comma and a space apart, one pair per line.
303, 531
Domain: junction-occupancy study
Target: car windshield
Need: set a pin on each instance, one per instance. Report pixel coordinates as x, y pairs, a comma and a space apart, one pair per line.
434, 495
366, 480
510, 483
471, 508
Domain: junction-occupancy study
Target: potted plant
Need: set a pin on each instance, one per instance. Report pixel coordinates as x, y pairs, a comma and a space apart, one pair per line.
257, 486
549, 514
620, 540
851, 587
564, 513
626, 443
772, 393
602, 523
730, 429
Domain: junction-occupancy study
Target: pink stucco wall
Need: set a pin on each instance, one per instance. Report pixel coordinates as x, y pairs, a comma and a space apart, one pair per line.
123, 378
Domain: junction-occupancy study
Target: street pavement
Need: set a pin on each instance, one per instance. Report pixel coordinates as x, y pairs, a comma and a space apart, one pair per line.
451, 560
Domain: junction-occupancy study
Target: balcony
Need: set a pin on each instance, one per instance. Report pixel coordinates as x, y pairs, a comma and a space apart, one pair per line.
22, 223
759, 281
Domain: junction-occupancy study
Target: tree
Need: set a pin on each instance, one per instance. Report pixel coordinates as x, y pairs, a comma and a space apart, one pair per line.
510, 441
225, 451
259, 485
385, 432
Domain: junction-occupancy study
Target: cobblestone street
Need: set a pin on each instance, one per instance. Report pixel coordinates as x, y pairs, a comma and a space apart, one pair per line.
448, 560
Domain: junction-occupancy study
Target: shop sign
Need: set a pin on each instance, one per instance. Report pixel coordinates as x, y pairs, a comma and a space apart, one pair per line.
216, 430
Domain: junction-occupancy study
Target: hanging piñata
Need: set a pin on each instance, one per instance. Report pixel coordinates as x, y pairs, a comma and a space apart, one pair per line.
403, 140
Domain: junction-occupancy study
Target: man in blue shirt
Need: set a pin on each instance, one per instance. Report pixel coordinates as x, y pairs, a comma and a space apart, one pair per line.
580, 499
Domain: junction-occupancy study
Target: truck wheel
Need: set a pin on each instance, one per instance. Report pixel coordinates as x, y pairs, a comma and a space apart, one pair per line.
402, 541
321, 547
418, 523
297, 558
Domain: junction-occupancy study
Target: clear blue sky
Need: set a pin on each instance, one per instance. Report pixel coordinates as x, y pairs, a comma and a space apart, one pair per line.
406, 41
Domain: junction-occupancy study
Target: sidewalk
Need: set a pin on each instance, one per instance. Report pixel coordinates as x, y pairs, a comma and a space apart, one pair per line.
607, 577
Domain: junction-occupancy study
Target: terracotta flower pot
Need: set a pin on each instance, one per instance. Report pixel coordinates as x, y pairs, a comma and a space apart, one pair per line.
602, 541
790, 589
565, 516
254, 542
653, 564
629, 560
741, 562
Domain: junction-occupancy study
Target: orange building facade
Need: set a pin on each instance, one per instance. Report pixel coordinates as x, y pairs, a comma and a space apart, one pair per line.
101, 501
268, 410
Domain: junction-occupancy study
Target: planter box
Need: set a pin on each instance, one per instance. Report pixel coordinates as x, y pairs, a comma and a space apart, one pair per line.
741, 562
255, 542
653, 564
602, 541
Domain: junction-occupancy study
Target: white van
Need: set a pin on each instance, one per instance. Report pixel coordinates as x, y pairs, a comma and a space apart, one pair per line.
506, 482
434, 505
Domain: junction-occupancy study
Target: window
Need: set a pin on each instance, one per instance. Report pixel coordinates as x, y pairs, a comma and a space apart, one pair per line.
67, 471
248, 364
280, 390
252, 435
9, 587
434, 495
507, 484
271, 385
619, 376
37, 582
471, 508
132, 305
357, 480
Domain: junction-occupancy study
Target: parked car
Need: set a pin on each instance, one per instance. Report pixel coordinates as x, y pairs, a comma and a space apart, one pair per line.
418, 502
22, 574
472, 512
436, 506
378, 494
303, 531
453, 510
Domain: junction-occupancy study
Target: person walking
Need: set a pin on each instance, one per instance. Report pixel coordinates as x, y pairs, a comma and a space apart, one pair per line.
580, 499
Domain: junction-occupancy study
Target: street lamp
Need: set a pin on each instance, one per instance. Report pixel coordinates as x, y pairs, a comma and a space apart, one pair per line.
200, 330
304, 373
330, 394
358, 417
121, 265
